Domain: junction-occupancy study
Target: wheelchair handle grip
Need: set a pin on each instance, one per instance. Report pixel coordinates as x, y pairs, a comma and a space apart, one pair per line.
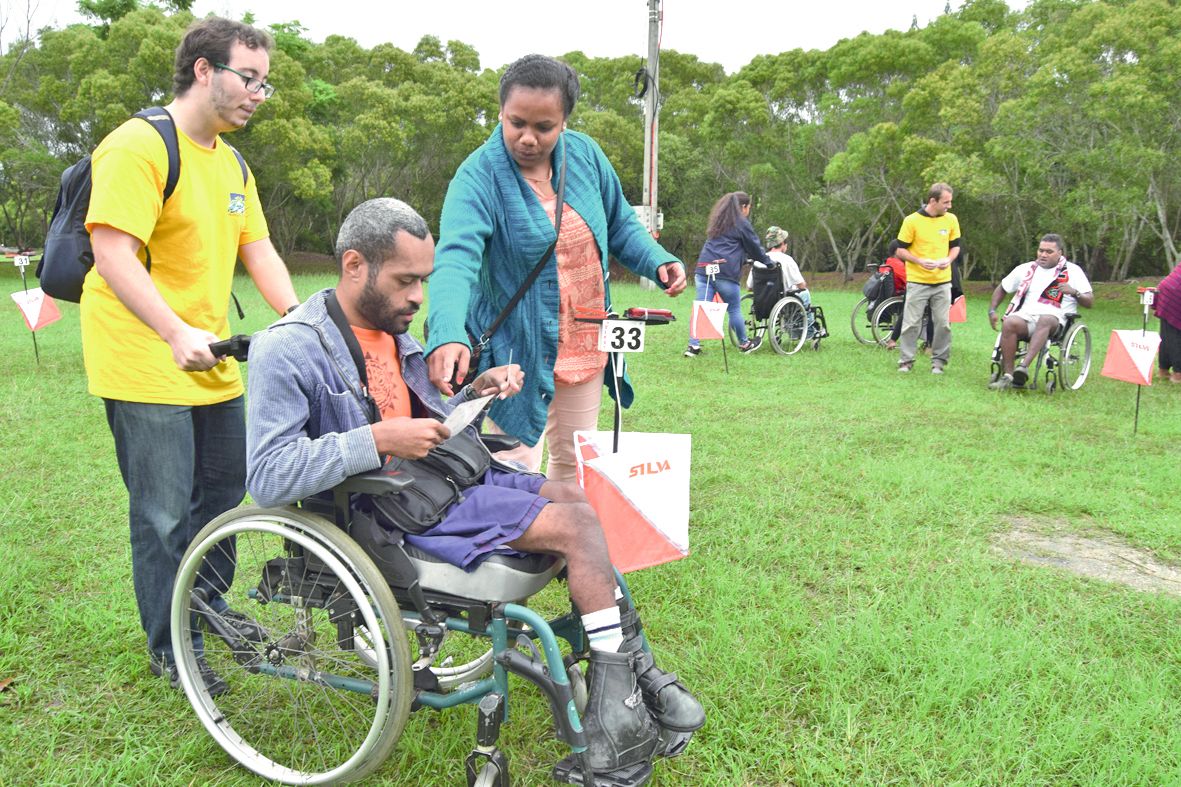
237, 346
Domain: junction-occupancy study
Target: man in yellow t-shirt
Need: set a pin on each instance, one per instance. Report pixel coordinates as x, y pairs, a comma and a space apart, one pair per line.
174, 409
929, 242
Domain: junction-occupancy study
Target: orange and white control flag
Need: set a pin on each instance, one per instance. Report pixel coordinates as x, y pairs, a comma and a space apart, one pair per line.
37, 308
959, 310
707, 320
1129, 356
640, 494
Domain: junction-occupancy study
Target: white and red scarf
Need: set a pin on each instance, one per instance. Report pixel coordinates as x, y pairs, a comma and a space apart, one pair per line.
1052, 294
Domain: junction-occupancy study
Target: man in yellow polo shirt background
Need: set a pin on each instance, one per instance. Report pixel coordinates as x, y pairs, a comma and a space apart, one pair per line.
176, 411
929, 242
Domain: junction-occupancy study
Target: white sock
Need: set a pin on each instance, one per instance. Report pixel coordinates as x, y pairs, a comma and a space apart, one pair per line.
602, 629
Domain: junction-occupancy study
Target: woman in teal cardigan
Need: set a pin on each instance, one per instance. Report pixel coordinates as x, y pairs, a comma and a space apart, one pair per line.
498, 219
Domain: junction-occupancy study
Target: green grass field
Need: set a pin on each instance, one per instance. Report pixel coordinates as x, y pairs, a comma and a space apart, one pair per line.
843, 615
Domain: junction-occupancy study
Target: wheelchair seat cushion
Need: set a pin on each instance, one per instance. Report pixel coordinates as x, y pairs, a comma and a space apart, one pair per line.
503, 575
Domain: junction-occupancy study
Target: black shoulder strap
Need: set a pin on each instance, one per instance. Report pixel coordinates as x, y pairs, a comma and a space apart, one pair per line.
350, 341
160, 120
241, 162
533, 274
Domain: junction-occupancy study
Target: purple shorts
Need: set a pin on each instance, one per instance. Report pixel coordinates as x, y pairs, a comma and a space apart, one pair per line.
488, 515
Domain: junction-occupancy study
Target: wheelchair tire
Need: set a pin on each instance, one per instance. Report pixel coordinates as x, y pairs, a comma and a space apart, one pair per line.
1075, 362
788, 325
885, 316
860, 322
303, 705
754, 329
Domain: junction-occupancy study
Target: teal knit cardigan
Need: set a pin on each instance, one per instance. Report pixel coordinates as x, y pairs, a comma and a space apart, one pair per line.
492, 232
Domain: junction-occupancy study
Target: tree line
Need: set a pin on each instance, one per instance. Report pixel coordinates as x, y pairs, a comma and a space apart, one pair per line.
1064, 117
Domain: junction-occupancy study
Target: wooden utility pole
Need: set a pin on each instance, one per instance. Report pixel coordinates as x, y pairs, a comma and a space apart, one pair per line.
649, 213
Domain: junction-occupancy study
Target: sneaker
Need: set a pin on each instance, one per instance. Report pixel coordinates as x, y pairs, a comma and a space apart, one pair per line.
213, 682
1020, 376
904, 367
748, 346
247, 628
1002, 382
936, 370
692, 352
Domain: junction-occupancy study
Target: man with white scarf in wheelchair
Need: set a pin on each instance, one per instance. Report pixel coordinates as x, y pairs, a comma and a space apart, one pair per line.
317, 416
1045, 291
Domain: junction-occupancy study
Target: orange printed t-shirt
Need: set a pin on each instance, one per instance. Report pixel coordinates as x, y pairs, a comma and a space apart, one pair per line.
580, 284
384, 369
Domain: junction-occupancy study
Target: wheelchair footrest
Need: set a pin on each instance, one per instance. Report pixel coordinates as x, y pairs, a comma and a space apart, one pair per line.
569, 771
672, 743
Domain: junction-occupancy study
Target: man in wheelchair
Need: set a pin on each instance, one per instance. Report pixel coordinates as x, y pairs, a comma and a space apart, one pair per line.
775, 241
338, 387
1045, 292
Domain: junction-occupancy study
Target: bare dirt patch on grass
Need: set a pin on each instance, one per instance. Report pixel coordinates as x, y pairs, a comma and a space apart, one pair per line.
1052, 543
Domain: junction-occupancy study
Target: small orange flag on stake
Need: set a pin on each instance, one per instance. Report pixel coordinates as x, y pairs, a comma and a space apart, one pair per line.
37, 308
707, 320
1129, 356
959, 310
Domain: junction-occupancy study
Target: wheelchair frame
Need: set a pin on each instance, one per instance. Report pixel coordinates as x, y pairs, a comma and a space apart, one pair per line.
1066, 367
787, 324
332, 609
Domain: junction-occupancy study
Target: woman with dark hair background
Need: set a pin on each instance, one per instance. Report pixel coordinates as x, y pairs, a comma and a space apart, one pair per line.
730, 242
498, 220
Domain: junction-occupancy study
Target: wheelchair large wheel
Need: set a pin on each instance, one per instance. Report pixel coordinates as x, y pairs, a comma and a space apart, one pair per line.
788, 326
755, 330
887, 314
860, 322
304, 705
1075, 364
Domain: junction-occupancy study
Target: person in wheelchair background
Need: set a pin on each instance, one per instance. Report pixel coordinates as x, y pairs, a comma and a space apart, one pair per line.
1045, 291
317, 416
775, 240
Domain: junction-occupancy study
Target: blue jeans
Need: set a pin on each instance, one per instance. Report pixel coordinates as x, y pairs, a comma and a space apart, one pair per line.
730, 294
182, 467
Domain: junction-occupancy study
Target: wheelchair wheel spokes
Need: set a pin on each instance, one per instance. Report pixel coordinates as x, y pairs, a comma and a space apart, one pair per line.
788, 326
754, 329
886, 315
1075, 363
860, 322
305, 705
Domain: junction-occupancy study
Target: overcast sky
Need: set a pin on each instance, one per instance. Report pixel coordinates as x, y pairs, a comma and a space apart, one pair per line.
730, 33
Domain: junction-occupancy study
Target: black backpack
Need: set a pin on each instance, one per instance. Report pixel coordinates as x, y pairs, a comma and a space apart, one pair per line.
67, 256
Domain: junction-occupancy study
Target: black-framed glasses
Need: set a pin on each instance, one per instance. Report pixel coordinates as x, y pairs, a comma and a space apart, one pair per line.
253, 84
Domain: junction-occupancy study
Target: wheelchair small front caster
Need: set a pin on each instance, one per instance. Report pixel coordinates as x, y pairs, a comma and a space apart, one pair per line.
493, 772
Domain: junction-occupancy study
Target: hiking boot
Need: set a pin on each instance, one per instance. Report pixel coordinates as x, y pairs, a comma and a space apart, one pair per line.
692, 352
1002, 382
1020, 376
671, 703
159, 665
620, 730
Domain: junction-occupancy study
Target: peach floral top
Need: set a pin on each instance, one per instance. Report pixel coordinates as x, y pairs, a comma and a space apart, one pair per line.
580, 283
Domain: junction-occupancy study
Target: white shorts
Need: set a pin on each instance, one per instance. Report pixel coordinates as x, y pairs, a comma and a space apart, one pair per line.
1031, 319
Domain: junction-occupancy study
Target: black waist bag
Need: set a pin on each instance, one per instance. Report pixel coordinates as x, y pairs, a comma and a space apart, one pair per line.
440, 478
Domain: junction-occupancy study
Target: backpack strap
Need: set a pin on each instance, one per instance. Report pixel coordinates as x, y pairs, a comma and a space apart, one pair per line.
160, 120
241, 162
